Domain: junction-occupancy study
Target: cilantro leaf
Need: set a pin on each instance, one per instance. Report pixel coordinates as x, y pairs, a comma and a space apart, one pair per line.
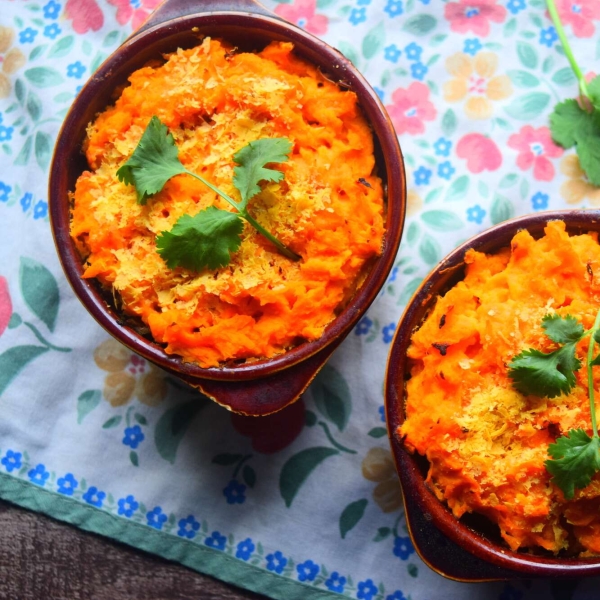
576, 460
154, 161
540, 374
562, 330
252, 159
204, 240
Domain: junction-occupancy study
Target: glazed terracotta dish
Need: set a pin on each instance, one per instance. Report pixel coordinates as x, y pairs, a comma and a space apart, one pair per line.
470, 447
247, 375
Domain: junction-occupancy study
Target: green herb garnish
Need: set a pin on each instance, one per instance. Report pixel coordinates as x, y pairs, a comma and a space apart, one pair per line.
570, 124
208, 238
575, 456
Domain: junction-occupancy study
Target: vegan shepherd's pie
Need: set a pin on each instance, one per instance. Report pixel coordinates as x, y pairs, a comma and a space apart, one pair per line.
486, 442
329, 208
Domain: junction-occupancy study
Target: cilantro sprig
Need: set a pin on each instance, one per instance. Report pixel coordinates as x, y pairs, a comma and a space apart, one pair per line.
572, 124
576, 455
210, 237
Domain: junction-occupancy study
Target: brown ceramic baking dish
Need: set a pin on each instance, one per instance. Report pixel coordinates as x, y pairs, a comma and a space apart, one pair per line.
264, 386
469, 549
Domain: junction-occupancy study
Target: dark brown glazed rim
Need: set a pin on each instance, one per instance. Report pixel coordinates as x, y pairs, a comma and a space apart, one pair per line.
449, 546
248, 25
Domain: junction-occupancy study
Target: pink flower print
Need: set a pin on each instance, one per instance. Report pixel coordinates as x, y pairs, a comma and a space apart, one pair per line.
580, 15
302, 13
5, 305
535, 147
85, 14
474, 15
481, 153
410, 108
135, 10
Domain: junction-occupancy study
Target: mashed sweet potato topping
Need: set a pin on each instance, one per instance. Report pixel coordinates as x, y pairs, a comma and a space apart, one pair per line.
329, 208
486, 443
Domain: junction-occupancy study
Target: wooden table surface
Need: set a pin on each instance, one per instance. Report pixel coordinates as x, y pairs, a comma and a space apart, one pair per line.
43, 559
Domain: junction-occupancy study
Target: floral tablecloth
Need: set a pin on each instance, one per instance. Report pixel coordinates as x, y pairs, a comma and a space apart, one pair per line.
97, 437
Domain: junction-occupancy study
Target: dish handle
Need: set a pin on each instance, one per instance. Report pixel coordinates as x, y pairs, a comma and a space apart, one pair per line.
173, 9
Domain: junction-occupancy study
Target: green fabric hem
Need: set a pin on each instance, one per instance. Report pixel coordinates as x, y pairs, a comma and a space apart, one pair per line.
200, 558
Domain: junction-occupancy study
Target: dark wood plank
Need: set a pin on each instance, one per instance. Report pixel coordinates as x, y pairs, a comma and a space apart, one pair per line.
43, 559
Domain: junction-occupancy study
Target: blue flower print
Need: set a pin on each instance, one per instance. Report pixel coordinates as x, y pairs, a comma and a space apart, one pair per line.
380, 93
336, 583
388, 332
548, 37
235, 492
12, 461
6, 133
422, 175
40, 210
216, 541
446, 170
397, 595
133, 436
127, 506
442, 146
393, 275
156, 518
403, 548
510, 593
38, 475
75, 70
382, 413
27, 35
188, 527
363, 326
245, 549
5, 190
394, 8
51, 31
25, 201
363, 2
516, 6
358, 15
94, 497
276, 562
67, 484
472, 46
413, 51
475, 214
418, 71
51, 10
392, 53
307, 571
366, 590
539, 201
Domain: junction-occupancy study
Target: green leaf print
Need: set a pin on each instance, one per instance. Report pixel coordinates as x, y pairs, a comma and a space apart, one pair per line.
324, 3
373, 41
297, 468
420, 24
173, 425
564, 77
350, 52
23, 156
39, 290
430, 250
14, 359
86, 403
409, 289
529, 106
508, 180
332, 396
37, 51
510, 27
412, 234
449, 122
61, 47
442, 220
548, 64
382, 534
111, 39
523, 79
249, 476
43, 149
502, 209
133, 457
351, 515
43, 77
112, 422
226, 460
527, 55
378, 432
20, 91
458, 189
34, 106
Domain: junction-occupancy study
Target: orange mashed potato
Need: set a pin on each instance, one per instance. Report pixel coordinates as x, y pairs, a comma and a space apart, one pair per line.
486, 443
329, 208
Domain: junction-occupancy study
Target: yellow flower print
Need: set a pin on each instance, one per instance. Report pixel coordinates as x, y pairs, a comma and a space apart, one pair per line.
577, 188
474, 80
414, 203
11, 59
378, 466
122, 382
